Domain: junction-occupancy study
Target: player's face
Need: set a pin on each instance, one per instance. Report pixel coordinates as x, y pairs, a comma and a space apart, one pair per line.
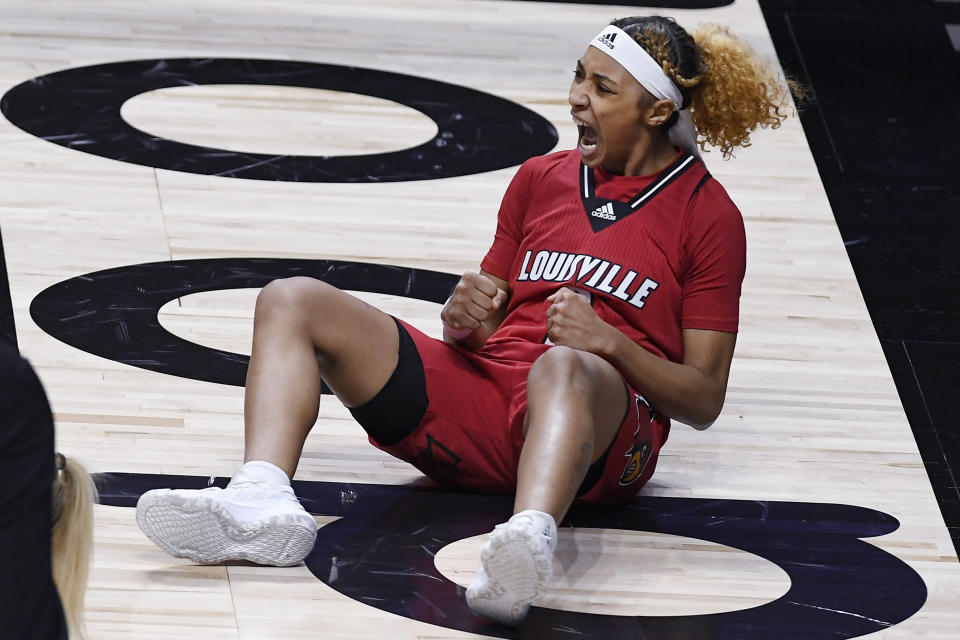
607, 108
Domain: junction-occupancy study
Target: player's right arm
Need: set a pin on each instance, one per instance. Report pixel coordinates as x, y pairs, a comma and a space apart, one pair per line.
475, 309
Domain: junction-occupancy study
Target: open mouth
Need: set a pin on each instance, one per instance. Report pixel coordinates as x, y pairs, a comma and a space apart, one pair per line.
587, 137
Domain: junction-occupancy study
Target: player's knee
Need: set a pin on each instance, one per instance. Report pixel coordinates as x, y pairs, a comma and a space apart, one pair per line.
289, 297
294, 305
568, 368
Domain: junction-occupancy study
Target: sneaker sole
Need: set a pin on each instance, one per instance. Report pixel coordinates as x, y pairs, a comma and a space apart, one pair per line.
200, 529
515, 566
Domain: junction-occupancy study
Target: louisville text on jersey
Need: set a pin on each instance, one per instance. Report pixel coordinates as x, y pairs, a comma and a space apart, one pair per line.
591, 272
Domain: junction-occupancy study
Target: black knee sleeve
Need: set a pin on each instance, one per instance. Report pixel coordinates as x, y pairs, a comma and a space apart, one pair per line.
400, 405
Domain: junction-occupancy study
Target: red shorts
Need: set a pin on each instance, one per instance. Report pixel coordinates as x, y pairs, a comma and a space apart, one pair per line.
472, 432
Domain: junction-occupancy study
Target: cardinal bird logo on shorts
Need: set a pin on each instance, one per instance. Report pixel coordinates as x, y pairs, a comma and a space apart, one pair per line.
637, 458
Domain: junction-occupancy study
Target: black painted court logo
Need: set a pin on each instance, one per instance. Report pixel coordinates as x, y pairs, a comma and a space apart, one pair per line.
80, 108
381, 551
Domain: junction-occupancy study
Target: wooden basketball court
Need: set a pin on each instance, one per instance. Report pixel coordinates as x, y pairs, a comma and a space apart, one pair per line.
812, 417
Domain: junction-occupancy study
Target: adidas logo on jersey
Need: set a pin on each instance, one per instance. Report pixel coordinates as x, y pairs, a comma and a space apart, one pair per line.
605, 212
607, 39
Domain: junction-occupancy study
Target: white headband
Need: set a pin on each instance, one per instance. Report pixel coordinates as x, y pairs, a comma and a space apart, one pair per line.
617, 44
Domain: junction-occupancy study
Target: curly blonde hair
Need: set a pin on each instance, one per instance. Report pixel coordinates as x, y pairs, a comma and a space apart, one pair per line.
728, 88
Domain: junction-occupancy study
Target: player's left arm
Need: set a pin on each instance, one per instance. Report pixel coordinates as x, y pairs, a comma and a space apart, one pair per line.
691, 391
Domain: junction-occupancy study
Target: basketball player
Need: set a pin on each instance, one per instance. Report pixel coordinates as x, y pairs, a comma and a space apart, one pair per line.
607, 305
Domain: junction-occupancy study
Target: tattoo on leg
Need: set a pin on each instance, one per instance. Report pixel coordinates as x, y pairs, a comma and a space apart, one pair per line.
584, 463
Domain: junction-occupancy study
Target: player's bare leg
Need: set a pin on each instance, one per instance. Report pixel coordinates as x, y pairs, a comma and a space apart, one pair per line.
576, 401
304, 330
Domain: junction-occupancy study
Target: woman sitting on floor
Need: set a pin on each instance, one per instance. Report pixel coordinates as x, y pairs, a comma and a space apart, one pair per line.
607, 305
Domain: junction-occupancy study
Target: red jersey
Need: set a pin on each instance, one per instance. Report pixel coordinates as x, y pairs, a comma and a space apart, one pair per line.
657, 253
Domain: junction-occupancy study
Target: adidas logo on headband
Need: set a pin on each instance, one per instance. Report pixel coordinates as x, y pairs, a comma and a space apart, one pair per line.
638, 63
608, 39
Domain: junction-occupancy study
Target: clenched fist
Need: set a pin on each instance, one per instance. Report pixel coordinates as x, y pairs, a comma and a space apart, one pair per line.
474, 299
572, 322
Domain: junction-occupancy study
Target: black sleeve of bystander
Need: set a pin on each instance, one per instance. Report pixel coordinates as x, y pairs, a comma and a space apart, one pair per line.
29, 605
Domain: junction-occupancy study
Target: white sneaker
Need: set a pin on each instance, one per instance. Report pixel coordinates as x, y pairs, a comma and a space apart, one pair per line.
249, 520
516, 567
